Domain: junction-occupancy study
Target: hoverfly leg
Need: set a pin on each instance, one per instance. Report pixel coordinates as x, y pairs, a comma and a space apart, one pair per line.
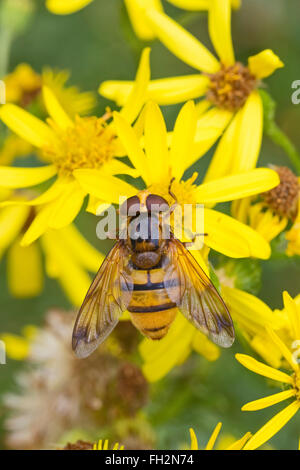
194, 239
169, 190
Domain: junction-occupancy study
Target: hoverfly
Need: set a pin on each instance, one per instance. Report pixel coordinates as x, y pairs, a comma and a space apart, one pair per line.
151, 278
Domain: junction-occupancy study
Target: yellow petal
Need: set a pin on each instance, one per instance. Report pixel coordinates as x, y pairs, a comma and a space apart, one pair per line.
61, 264
219, 23
132, 147
117, 167
202, 345
213, 437
273, 426
248, 138
67, 206
156, 142
137, 17
183, 139
137, 97
106, 188
291, 308
38, 226
182, 43
237, 186
283, 349
249, 310
264, 64
174, 90
25, 271
232, 238
65, 7
210, 127
160, 357
14, 177
12, 220
222, 160
49, 195
86, 255
55, 110
194, 441
164, 91
238, 445
268, 401
263, 369
26, 126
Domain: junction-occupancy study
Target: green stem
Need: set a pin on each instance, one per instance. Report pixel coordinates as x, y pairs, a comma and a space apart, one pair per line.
281, 139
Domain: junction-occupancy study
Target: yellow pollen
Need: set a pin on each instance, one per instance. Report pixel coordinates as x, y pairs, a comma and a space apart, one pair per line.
184, 191
230, 87
88, 144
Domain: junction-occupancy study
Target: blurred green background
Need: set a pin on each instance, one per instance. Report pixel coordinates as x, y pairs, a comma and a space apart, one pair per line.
97, 44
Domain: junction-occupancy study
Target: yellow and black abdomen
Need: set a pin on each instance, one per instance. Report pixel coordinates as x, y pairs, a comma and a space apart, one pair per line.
151, 309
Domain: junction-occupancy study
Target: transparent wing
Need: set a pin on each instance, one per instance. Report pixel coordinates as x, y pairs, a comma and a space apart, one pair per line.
196, 297
106, 300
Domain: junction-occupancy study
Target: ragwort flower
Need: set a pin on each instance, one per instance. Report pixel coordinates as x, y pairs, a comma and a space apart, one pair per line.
24, 86
231, 100
159, 164
291, 381
68, 145
274, 210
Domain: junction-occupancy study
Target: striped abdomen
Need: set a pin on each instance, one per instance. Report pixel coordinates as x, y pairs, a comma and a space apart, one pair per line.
151, 309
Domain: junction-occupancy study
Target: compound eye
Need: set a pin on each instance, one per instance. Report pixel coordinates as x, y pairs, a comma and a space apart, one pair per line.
155, 203
131, 206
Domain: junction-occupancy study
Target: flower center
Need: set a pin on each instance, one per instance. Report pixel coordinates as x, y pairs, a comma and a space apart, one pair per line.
184, 191
88, 144
284, 198
230, 86
296, 378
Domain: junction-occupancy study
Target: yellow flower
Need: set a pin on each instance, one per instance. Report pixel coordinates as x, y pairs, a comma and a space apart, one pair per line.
231, 101
291, 381
67, 255
271, 214
104, 445
159, 164
71, 98
135, 9
24, 85
85, 142
236, 445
